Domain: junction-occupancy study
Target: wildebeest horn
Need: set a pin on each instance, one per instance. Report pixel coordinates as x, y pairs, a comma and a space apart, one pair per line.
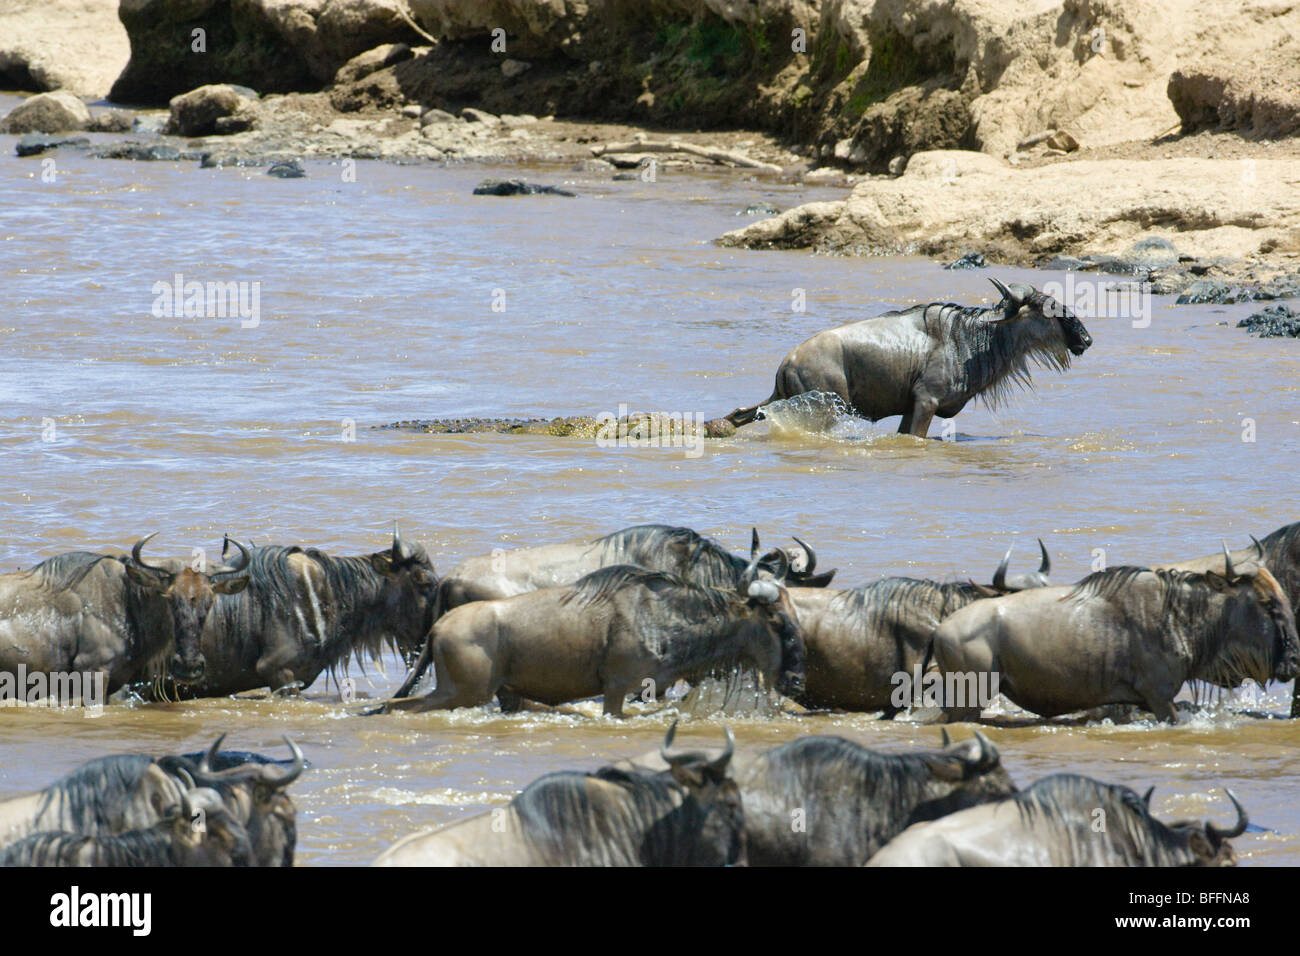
1006, 293
135, 554
812, 555
399, 550
1228, 569
281, 776
692, 756
205, 762
1259, 548
1000, 575
753, 544
270, 775
947, 741
988, 753
783, 566
245, 559
1242, 820
1046, 566
1146, 797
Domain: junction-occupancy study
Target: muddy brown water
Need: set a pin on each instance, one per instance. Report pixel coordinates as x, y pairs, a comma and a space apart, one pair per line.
376, 301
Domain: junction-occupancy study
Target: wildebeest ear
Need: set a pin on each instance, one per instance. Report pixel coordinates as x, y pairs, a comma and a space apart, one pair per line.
147, 578
230, 585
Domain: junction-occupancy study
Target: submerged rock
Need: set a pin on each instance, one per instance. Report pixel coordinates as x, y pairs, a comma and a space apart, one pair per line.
758, 209
33, 144
287, 169
142, 151
971, 260
1276, 321
516, 187
1211, 292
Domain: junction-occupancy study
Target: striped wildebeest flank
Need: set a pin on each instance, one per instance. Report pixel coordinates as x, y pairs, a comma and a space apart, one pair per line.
860, 639
618, 631
931, 359
827, 801
1055, 822
1124, 636
132, 793
119, 617
688, 815
198, 832
306, 612
674, 550
1280, 553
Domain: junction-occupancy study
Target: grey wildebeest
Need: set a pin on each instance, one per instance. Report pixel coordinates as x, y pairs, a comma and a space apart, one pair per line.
656, 547
99, 614
123, 793
931, 359
1054, 822
618, 631
1280, 553
199, 832
688, 815
858, 641
1124, 636
305, 612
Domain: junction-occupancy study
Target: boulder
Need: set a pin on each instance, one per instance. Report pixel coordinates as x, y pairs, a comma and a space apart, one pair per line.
57, 112
198, 112
74, 45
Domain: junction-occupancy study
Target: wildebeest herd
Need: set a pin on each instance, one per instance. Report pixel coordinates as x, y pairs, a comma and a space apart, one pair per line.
633, 613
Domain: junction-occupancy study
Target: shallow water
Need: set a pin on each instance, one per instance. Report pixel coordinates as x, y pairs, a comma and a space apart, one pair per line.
376, 305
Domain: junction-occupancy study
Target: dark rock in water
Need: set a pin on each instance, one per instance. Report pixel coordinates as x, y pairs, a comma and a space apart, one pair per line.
1280, 287
1276, 321
1212, 292
760, 209
1169, 283
287, 169
516, 187
971, 260
33, 144
1153, 252
222, 160
142, 151
111, 121
625, 177
1067, 264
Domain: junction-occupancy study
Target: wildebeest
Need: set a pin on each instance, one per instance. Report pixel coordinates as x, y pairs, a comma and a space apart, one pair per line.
1064, 820
123, 793
305, 612
851, 801
618, 631
1126, 635
1280, 553
688, 815
199, 832
858, 641
931, 359
101, 614
656, 547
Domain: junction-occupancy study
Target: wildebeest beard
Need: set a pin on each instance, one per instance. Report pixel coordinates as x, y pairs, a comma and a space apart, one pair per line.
685, 637
1189, 599
993, 359
1065, 805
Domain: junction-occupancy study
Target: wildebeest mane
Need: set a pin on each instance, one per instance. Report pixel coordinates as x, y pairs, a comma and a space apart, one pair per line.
604, 584
556, 813
85, 799
1066, 806
707, 562
885, 601
1112, 582
992, 363
67, 570
147, 847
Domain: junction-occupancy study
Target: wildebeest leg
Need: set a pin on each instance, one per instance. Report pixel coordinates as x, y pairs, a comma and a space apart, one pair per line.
917, 421
511, 703
614, 700
421, 665
1164, 710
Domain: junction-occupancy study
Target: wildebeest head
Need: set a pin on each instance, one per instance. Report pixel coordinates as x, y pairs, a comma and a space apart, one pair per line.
769, 597
204, 833
1264, 609
705, 779
965, 774
256, 793
1052, 325
410, 589
800, 563
1027, 580
1203, 843
189, 594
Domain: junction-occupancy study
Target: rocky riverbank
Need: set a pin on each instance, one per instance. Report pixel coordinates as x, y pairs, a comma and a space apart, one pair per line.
1060, 133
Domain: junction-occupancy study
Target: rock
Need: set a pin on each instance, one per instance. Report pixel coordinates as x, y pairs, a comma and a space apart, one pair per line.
74, 45
1207, 292
513, 121
1067, 264
627, 178
371, 61
432, 116
516, 187
287, 169
971, 260
478, 116
1275, 321
513, 68
277, 46
1258, 95
760, 209
196, 113
1169, 283
33, 144
412, 111
947, 202
897, 165
150, 122
111, 121
57, 112
1063, 141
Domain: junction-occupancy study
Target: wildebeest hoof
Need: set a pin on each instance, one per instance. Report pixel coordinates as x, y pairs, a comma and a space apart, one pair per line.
292, 689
